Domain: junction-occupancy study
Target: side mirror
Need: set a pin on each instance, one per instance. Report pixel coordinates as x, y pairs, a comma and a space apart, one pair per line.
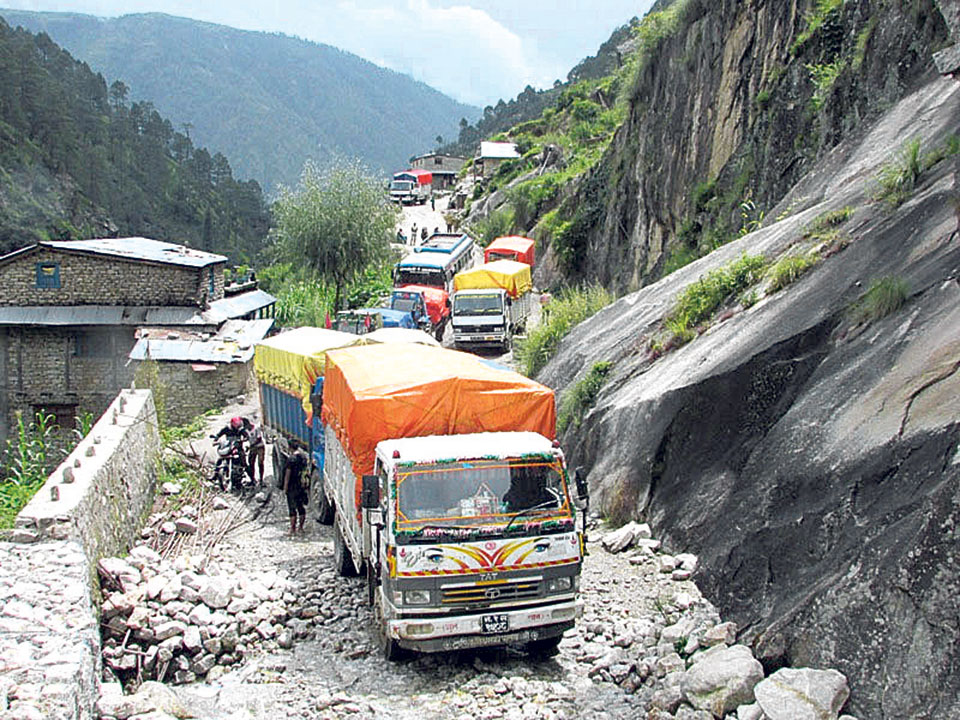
370, 492
580, 481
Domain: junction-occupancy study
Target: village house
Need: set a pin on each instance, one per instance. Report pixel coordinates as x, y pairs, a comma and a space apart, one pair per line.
70, 313
444, 168
492, 154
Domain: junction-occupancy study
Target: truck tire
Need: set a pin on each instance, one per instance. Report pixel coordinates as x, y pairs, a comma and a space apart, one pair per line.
545, 648
389, 648
322, 506
342, 559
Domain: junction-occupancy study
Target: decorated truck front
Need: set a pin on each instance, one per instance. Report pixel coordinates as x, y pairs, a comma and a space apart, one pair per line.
451, 493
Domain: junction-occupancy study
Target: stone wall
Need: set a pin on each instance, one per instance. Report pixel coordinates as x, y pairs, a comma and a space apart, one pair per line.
185, 393
97, 280
90, 507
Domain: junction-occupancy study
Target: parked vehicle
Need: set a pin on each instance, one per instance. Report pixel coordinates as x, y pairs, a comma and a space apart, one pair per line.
511, 247
428, 307
436, 261
491, 303
411, 187
450, 493
231, 465
289, 368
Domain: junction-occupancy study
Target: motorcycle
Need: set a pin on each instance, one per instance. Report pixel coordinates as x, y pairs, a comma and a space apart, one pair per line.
230, 467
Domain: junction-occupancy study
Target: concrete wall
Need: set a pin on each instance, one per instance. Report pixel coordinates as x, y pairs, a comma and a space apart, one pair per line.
97, 280
90, 507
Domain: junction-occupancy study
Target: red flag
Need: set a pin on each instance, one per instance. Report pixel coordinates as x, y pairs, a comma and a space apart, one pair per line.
326, 321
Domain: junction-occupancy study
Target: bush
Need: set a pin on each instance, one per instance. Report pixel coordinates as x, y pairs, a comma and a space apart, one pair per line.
788, 270
884, 297
497, 224
582, 396
570, 308
898, 177
700, 299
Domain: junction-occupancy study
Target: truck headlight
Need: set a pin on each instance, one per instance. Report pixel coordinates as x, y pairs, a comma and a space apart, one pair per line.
416, 597
560, 584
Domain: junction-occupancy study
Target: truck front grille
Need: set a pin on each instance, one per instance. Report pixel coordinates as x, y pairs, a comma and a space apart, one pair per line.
485, 594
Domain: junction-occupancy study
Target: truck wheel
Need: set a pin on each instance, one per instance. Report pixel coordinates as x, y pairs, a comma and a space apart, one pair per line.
389, 648
342, 559
544, 648
322, 504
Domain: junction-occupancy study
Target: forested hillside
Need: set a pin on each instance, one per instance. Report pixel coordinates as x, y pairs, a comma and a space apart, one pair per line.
76, 160
268, 101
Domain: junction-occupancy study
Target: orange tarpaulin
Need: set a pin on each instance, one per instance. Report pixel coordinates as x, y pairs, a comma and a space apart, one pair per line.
380, 392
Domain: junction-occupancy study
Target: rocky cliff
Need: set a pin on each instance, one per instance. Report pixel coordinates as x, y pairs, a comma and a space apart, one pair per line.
804, 441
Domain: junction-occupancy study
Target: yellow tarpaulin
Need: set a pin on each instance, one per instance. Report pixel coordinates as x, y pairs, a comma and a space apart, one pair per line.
385, 391
514, 277
293, 360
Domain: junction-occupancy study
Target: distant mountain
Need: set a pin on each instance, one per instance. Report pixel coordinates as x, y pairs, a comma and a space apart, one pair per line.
268, 101
78, 161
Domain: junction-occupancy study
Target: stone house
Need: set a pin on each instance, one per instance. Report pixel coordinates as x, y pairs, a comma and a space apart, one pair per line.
492, 155
444, 168
70, 310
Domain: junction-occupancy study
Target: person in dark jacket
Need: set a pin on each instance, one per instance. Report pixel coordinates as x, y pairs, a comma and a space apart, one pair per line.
295, 486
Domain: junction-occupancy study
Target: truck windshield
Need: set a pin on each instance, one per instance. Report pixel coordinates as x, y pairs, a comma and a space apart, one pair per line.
487, 494
403, 185
496, 255
486, 304
419, 276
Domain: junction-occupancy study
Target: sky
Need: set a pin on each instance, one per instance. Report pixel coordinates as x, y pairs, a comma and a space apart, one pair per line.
477, 51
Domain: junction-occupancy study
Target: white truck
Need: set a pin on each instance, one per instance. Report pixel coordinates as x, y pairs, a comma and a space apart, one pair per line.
450, 494
491, 303
411, 187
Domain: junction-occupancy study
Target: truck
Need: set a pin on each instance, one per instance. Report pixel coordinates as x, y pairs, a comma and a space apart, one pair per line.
491, 303
511, 247
289, 368
367, 320
436, 261
411, 187
429, 307
451, 494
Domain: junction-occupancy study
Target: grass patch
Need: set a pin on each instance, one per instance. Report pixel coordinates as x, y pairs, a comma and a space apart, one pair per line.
570, 308
788, 270
582, 396
700, 300
827, 221
898, 177
885, 296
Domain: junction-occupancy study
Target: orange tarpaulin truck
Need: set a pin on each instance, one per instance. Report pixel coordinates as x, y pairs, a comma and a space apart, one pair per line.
449, 490
511, 247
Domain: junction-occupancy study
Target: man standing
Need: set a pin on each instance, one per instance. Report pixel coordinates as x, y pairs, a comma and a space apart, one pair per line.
296, 489
256, 449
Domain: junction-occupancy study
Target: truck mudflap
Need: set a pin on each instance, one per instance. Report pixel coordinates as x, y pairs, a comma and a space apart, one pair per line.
462, 632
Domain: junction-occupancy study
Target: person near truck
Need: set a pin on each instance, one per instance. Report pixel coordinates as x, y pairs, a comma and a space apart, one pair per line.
235, 432
295, 489
256, 449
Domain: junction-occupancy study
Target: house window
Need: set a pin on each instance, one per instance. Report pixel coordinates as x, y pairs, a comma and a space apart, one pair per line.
48, 275
438, 161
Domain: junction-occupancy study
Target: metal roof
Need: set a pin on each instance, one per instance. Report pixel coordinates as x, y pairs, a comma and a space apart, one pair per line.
237, 306
138, 248
233, 343
502, 150
59, 315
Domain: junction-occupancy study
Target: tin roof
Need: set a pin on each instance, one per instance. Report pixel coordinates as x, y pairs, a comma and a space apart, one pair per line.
237, 306
504, 150
60, 315
233, 343
132, 248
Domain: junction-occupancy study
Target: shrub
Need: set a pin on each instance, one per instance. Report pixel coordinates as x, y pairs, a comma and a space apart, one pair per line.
788, 270
701, 299
497, 224
570, 308
823, 11
824, 76
677, 258
898, 177
826, 221
582, 396
885, 296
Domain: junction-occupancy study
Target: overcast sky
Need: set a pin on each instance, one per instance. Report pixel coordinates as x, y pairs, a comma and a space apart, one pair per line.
477, 51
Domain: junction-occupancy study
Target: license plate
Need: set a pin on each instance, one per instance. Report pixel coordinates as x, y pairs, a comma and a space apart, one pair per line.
494, 623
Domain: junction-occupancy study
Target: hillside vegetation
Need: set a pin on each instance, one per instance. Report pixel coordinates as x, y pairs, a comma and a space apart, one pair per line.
267, 101
76, 161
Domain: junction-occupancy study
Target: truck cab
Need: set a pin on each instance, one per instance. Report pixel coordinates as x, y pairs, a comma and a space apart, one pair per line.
482, 317
475, 543
429, 307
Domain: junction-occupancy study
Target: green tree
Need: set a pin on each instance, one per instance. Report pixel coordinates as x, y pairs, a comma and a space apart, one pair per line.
336, 222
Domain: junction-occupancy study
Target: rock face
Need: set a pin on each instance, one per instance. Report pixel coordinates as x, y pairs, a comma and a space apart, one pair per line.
808, 458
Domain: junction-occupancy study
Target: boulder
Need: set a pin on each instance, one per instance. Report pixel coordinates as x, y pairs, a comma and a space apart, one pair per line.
217, 591
725, 633
722, 679
803, 694
624, 538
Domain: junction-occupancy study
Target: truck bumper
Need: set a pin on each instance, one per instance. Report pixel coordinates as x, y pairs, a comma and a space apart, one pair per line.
491, 338
462, 632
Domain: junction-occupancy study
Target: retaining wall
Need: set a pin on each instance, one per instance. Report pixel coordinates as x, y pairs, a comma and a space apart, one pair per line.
90, 507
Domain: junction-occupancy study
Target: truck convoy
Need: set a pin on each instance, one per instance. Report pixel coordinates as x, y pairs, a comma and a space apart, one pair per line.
448, 489
491, 303
512, 247
411, 187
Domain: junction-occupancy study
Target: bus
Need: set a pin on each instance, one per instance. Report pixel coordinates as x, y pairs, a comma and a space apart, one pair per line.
435, 262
